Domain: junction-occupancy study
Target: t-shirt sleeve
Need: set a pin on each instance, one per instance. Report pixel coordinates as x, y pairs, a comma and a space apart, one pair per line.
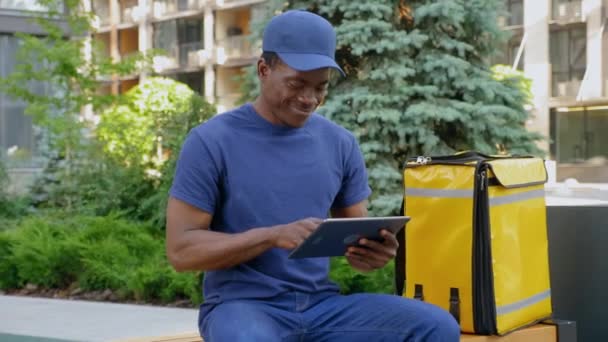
355, 187
197, 174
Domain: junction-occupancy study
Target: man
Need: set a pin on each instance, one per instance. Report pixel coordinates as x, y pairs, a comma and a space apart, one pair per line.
253, 183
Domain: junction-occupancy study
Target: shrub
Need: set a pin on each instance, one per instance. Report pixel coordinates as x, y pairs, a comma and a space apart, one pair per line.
351, 281
44, 253
56, 250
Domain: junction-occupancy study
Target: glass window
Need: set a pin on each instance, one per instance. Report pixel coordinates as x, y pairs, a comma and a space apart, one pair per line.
165, 36
568, 10
568, 55
516, 12
17, 133
578, 134
23, 5
507, 53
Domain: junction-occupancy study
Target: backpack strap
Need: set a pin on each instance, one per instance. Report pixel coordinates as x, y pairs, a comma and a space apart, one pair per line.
400, 259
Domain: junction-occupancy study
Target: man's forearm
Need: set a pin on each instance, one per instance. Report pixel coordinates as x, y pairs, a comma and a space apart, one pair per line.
204, 250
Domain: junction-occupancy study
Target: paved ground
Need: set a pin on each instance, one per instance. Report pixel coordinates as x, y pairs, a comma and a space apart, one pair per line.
88, 321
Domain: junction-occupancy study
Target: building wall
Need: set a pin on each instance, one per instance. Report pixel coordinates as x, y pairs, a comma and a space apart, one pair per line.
570, 93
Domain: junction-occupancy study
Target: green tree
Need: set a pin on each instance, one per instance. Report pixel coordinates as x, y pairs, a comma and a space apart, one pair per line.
418, 83
142, 135
71, 66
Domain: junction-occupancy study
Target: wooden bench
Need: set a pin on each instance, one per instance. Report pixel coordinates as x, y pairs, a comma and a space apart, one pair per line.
536, 333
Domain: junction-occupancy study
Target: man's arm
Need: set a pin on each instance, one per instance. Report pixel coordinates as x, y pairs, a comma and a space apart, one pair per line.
192, 246
372, 255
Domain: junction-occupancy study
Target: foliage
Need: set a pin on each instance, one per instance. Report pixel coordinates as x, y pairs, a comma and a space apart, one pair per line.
93, 253
58, 78
418, 84
11, 206
143, 135
128, 167
351, 281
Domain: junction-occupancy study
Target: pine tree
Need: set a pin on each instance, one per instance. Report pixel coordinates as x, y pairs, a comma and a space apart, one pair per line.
418, 83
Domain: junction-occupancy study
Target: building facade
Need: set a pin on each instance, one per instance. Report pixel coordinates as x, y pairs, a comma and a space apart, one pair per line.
562, 45
205, 40
19, 139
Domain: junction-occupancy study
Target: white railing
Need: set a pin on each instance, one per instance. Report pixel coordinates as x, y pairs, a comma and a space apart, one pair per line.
568, 88
189, 54
235, 47
161, 8
568, 12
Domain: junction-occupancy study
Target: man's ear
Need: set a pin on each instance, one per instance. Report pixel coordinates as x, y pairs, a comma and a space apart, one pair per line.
263, 69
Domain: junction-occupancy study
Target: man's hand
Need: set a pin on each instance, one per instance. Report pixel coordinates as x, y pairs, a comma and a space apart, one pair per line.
290, 236
371, 255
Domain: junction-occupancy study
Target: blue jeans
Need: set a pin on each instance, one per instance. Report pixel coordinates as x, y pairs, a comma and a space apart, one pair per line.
304, 317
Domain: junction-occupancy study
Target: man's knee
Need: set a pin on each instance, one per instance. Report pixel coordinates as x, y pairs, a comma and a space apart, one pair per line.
444, 327
238, 322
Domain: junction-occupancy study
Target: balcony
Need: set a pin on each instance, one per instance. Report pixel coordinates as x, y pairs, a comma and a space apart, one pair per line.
130, 12
235, 49
192, 55
186, 55
101, 8
568, 88
568, 12
163, 8
235, 3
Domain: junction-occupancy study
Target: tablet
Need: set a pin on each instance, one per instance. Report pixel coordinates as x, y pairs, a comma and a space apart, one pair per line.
334, 236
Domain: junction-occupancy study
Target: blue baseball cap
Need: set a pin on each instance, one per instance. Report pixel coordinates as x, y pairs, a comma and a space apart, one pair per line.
303, 40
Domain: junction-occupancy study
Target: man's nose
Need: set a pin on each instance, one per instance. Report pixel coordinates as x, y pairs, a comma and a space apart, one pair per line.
308, 97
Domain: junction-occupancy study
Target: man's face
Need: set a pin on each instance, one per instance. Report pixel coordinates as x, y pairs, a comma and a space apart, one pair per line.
292, 96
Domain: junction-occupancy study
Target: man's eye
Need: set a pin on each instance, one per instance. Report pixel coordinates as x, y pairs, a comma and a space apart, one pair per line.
321, 89
294, 84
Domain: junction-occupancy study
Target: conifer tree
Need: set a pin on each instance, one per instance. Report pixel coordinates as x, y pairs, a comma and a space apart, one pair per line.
419, 83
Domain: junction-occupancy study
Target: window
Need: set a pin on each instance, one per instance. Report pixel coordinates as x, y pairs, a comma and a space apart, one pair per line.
18, 136
579, 134
23, 5
568, 54
508, 53
194, 80
516, 12
566, 10
180, 38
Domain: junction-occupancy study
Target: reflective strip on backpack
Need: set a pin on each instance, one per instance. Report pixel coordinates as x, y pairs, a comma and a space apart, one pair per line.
524, 303
439, 193
520, 196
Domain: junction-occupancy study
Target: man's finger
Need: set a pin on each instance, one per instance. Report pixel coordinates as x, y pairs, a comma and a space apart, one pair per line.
386, 249
369, 255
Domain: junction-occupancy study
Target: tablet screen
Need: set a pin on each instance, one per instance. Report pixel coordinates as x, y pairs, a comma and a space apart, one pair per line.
334, 236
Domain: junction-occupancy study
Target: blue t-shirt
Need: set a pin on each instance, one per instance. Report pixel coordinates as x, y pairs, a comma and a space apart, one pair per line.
250, 173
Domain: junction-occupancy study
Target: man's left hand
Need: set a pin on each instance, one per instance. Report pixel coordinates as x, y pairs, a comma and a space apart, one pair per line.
371, 255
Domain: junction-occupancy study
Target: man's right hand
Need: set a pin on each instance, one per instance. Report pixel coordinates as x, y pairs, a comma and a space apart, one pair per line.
291, 235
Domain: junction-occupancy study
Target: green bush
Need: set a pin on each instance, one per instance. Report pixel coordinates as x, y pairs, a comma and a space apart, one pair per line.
351, 281
11, 206
43, 253
56, 250
8, 270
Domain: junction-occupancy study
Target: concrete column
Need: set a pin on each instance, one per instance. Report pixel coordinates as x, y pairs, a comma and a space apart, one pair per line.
114, 53
592, 87
537, 64
209, 44
208, 28
144, 30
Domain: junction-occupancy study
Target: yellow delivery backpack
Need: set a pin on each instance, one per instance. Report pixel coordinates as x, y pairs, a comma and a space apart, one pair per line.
477, 242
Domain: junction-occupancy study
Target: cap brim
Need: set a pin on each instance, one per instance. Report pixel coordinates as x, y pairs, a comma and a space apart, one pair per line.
308, 62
